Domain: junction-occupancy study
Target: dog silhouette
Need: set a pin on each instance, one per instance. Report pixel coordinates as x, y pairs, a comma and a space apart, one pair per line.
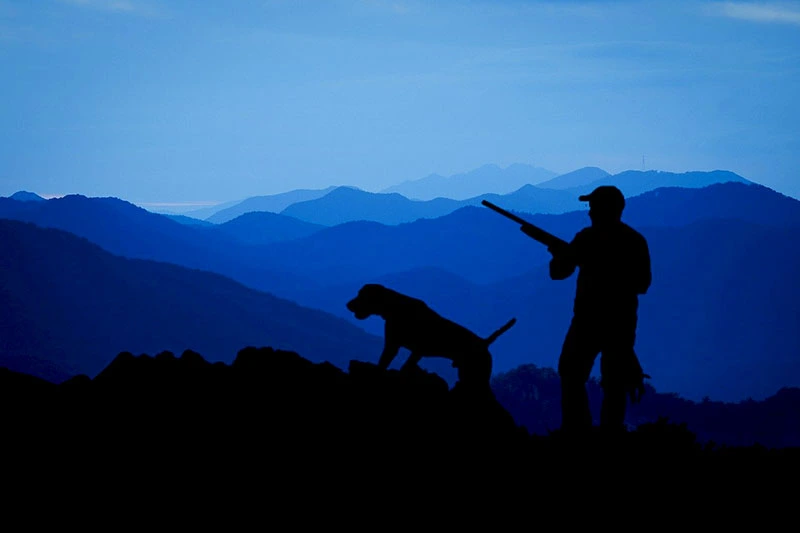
411, 324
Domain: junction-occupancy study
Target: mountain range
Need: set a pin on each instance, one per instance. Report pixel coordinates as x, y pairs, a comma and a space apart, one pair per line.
348, 204
274, 203
129, 231
485, 179
720, 312
393, 206
721, 255
635, 182
576, 178
69, 301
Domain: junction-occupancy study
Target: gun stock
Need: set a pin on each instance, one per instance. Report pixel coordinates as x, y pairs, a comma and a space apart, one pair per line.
535, 232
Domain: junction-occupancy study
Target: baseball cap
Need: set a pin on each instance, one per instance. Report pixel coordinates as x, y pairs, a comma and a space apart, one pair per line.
605, 194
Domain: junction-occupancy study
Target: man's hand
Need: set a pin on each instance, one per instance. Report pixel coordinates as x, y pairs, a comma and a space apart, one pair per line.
634, 377
558, 249
562, 264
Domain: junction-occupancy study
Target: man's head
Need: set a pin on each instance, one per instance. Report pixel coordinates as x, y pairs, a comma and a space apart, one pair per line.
605, 204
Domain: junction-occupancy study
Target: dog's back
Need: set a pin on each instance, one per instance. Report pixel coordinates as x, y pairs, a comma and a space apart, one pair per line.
412, 324
431, 329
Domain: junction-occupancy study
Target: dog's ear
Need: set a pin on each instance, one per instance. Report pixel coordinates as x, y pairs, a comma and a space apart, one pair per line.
373, 296
371, 290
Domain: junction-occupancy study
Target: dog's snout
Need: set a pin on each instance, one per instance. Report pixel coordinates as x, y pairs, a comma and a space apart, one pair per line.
358, 307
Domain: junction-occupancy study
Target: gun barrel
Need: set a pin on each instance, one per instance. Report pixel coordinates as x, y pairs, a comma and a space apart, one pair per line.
529, 229
503, 212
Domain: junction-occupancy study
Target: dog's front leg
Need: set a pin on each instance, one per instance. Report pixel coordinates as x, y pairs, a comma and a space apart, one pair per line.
390, 345
390, 351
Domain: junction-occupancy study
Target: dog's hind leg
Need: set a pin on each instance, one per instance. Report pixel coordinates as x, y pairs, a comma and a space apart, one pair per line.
412, 361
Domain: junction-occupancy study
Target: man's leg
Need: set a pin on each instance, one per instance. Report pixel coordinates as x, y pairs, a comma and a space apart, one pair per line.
619, 367
574, 368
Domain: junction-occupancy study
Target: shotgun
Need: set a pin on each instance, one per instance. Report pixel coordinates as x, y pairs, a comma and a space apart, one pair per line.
551, 241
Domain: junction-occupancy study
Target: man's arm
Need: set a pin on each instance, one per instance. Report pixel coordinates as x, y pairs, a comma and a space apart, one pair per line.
564, 261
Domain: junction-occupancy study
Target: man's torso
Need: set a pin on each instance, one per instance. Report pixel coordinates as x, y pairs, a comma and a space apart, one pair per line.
609, 261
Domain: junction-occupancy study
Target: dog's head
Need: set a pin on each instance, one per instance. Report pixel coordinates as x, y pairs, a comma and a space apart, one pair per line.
369, 301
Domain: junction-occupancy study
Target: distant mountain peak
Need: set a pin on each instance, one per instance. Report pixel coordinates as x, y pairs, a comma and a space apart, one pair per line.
108, 201
635, 182
274, 203
576, 178
488, 178
25, 196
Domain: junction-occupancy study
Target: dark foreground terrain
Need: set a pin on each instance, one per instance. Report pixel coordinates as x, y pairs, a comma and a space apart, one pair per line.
273, 422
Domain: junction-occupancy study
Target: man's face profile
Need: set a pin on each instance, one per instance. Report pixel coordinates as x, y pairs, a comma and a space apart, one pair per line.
602, 214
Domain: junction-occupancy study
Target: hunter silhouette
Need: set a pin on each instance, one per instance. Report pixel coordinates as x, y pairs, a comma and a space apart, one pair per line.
614, 269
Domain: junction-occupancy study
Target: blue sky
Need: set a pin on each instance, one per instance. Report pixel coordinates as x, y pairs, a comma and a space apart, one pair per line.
195, 102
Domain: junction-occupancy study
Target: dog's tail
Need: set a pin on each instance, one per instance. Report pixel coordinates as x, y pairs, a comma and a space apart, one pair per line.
493, 337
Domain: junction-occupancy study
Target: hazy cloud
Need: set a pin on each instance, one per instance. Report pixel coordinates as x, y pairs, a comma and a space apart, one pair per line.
787, 13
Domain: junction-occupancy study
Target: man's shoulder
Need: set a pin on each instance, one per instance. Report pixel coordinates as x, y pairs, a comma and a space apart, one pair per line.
631, 232
623, 230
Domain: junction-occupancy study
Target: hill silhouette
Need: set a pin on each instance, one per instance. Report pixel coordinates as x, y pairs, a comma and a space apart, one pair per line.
273, 203
532, 395
273, 415
26, 196
262, 227
347, 204
678, 206
66, 299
